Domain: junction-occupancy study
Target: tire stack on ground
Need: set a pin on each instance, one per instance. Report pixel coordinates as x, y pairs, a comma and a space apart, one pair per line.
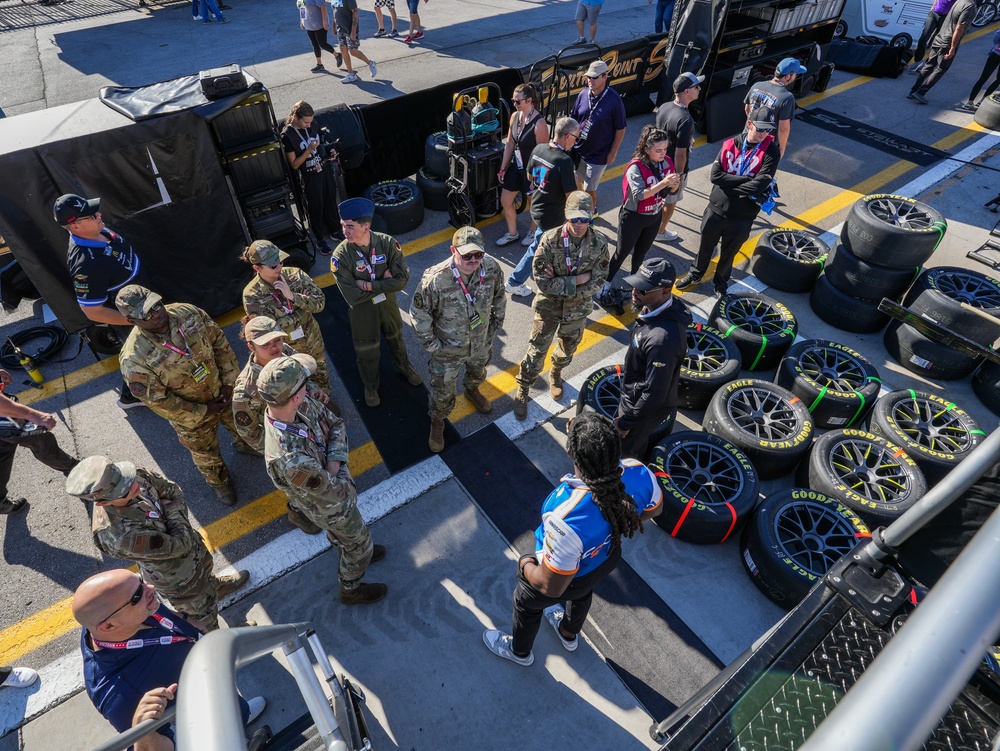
938, 295
761, 327
432, 177
789, 259
988, 114
935, 433
884, 242
398, 203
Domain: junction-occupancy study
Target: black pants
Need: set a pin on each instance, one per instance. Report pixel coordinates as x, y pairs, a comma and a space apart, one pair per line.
992, 63
321, 202
529, 604
636, 233
45, 448
932, 25
932, 70
318, 39
636, 444
732, 233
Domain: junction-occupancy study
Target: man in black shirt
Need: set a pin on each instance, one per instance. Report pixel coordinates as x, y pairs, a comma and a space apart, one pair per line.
674, 118
553, 175
653, 360
741, 177
100, 262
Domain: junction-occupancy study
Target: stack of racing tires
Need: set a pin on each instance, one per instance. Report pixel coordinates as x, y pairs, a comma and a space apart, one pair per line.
884, 242
399, 206
433, 176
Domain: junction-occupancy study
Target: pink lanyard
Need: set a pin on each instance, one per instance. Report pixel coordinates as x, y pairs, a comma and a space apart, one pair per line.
172, 348
140, 643
571, 267
286, 428
285, 306
465, 290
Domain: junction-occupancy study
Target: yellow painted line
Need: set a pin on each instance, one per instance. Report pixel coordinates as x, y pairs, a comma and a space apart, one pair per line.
70, 380
840, 88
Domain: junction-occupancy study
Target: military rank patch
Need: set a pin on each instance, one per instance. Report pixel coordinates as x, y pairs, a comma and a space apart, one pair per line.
243, 418
334, 264
418, 301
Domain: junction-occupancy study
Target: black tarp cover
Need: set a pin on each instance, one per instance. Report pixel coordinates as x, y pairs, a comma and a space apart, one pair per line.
693, 30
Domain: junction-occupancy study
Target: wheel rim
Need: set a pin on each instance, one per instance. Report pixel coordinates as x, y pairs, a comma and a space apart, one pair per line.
762, 414
797, 245
970, 289
756, 316
984, 14
706, 352
869, 470
900, 213
392, 194
813, 535
840, 31
460, 209
931, 425
607, 394
704, 472
833, 369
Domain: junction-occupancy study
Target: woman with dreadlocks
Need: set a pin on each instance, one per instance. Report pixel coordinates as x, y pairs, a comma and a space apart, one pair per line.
579, 541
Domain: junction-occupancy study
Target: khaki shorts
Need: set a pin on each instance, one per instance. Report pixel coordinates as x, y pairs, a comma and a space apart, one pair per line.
676, 197
589, 175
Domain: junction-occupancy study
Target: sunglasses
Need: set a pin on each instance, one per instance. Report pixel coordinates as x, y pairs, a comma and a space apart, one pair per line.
475, 255
274, 266
133, 600
150, 313
580, 220
517, 101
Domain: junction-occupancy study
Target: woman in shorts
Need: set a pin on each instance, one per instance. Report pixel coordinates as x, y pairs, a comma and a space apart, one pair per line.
527, 129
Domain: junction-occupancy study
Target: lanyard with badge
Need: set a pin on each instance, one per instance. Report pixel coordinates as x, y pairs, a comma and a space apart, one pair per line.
517, 140
746, 160
570, 266
585, 130
284, 427
370, 268
474, 319
298, 333
176, 637
199, 373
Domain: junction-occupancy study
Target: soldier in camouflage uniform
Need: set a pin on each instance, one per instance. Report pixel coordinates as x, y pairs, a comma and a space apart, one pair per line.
178, 362
141, 516
570, 264
267, 342
305, 450
457, 310
290, 297
370, 270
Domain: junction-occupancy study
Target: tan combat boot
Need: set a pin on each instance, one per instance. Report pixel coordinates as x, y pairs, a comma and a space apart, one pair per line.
297, 519
363, 594
229, 583
556, 383
521, 403
412, 376
436, 440
372, 398
481, 403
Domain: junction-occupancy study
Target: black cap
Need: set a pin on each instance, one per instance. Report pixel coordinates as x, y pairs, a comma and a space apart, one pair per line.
654, 273
70, 207
685, 81
763, 118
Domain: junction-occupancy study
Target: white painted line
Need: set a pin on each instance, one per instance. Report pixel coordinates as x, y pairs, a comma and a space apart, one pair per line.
949, 167
57, 681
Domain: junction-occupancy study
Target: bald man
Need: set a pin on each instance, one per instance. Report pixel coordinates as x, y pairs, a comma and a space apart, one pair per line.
129, 683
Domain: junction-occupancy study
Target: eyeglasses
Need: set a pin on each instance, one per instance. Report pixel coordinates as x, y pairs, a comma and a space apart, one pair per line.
150, 313
576, 136
517, 101
133, 600
579, 220
475, 255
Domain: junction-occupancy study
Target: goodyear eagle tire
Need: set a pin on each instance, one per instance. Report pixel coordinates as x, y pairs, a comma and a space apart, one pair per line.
711, 361
988, 113
938, 294
892, 231
925, 356
838, 385
792, 540
761, 327
399, 202
844, 312
865, 472
601, 393
709, 487
934, 432
986, 385
436, 155
768, 423
865, 281
434, 189
789, 259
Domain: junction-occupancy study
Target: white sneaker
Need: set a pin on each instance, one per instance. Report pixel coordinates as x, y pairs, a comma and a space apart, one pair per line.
23, 677
554, 616
499, 644
667, 236
257, 705
507, 239
371, 67
196, 18
521, 290
528, 239
349, 78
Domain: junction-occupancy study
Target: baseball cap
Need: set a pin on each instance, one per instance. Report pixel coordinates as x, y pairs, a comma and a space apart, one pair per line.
654, 273
597, 68
261, 330
468, 240
685, 81
266, 253
356, 208
70, 207
135, 301
579, 205
762, 118
790, 65
281, 378
97, 478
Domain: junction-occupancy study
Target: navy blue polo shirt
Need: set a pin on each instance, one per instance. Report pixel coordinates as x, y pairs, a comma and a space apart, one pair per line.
99, 268
607, 117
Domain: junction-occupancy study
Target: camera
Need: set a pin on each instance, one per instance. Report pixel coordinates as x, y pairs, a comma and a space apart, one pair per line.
328, 145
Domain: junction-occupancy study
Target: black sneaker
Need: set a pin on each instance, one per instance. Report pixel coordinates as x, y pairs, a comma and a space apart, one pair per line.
13, 505
688, 280
128, 400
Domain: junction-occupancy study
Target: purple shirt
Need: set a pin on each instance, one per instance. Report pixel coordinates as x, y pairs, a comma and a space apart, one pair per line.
941, 7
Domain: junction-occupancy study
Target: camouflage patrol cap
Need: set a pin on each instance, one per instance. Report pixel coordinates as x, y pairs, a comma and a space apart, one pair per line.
262, 329
97, 478
281, 379
468, 240
135, 301
266, 253
579, 205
